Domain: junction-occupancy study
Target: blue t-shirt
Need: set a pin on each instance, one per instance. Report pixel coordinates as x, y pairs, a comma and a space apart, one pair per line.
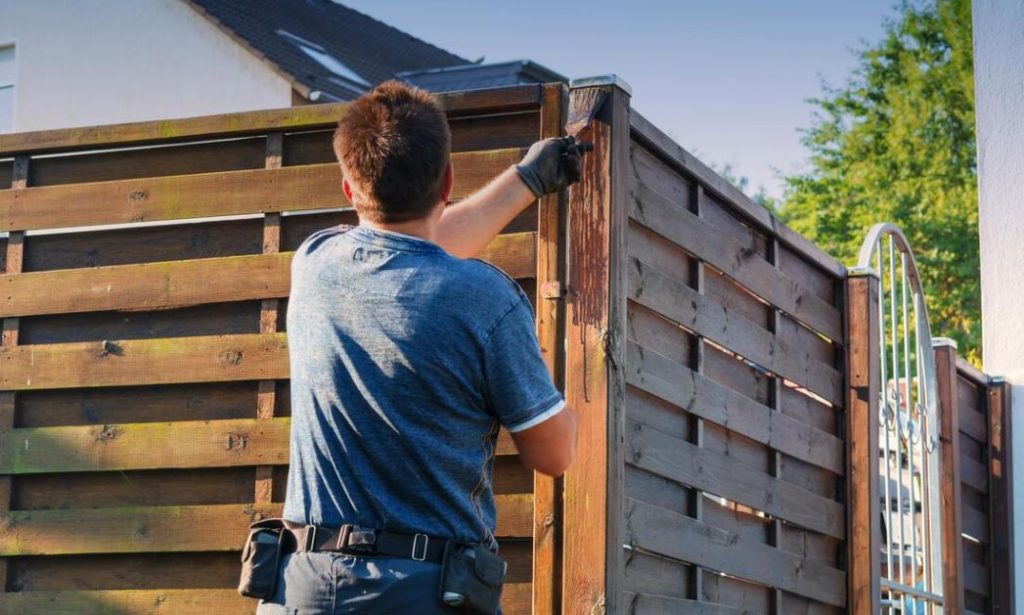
404, 361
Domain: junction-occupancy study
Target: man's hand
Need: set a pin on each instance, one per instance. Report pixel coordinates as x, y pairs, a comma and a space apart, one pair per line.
552, 164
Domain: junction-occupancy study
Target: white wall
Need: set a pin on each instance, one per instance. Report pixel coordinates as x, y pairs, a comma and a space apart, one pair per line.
999, 95
84, 62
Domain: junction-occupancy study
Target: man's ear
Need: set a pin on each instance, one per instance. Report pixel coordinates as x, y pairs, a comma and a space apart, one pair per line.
448, 182
347, 189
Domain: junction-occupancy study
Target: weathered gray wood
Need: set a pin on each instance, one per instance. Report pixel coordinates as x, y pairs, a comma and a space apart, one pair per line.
691, 465
648, 604
651, 136
725, 253
679, 537
706, 317
703, 397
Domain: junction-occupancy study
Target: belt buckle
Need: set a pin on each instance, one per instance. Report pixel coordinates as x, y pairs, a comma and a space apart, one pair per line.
423, 551
357, 539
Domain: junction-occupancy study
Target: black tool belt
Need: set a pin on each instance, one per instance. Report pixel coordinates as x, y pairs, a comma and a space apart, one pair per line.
356, 540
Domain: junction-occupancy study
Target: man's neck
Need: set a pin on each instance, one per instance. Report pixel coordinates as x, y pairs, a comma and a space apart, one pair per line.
423, 229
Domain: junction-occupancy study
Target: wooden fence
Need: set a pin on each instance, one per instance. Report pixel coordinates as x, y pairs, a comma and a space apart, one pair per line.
705, 346
976, 426
144, 413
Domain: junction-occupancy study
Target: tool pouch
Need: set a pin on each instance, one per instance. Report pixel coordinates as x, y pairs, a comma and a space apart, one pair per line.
260, 558
471, 579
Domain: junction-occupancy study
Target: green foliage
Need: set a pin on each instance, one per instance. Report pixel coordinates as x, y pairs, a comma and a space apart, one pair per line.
896, 144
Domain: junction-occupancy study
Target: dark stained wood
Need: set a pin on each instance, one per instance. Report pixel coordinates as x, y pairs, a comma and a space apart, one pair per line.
680, 537
862, 361
949, 421
132, 488
1001, 497
595, 326
187, 159
247, 123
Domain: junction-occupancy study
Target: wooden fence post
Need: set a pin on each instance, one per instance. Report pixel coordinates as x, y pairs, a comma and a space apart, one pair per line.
595, 323
863, 393
949, 436
547, 496
1000, 486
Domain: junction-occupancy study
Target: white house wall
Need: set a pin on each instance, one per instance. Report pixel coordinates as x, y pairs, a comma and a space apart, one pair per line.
109, 61
999, 95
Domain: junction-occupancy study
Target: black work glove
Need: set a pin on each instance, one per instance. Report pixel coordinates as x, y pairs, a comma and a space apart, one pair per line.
552, 164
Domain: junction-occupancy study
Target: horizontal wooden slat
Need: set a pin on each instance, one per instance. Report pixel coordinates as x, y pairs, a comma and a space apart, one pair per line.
673, 535
706, 317
703, 397
305, 117
215, 358
163, 285
702, 469
288, 188
723, 252
975, 523
147, 446
651, 136
647, 604
515, 600
973, 473
976, 578
219, 527
968, 371
974, 424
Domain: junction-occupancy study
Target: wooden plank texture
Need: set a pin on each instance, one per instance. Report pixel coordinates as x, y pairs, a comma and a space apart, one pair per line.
952, 542
1001, 497
135, 362
658, 141
671, 534
864, 567
175, 528
211, 194
720, 475
550, 319
703, 397
592, 550
708, 318
171, 284
706, 241
144, 446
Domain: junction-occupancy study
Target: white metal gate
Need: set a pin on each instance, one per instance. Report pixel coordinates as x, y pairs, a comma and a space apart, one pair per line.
911, 558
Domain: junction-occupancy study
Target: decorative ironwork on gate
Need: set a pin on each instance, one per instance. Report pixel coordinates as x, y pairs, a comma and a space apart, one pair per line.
909, 489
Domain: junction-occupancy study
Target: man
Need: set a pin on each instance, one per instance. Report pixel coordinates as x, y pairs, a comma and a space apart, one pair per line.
405, 360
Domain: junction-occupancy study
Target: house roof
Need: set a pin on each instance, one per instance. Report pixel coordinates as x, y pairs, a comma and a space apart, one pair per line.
322, 46
477, 76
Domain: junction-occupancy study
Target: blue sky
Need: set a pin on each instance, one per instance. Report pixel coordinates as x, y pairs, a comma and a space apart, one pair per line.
728, 79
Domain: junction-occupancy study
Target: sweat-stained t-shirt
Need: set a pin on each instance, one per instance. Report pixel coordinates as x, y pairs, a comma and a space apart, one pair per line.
404, 362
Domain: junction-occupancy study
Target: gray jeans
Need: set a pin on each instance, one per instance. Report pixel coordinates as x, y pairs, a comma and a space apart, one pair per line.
333, 584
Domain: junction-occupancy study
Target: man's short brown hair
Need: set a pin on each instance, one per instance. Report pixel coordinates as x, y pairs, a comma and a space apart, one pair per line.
393, 144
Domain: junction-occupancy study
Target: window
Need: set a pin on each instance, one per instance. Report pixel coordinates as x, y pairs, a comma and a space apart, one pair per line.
7, 89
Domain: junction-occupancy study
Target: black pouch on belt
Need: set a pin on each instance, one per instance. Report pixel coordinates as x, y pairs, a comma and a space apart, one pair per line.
471, 579
260, 558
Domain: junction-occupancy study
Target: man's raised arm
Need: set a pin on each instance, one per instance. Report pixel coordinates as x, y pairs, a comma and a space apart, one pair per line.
549, 166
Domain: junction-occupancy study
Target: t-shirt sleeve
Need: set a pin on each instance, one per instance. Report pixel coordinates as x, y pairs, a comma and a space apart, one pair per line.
518, 386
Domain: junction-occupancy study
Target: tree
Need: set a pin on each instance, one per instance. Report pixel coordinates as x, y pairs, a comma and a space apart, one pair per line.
896, 143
